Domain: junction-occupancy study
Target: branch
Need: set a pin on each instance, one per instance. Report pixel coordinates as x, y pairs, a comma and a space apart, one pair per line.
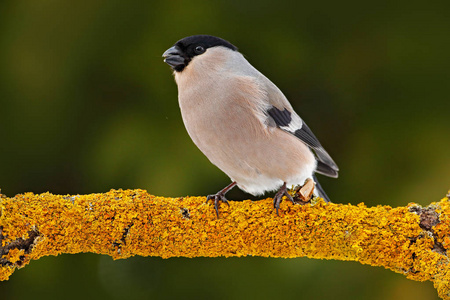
121, 223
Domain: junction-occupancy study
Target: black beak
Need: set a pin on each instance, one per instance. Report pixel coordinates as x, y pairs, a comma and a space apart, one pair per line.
174, 58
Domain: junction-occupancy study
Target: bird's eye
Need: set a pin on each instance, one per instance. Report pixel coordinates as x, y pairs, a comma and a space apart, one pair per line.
199, 50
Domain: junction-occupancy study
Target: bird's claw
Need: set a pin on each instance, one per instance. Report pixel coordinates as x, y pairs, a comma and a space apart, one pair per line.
219, 197
279, 197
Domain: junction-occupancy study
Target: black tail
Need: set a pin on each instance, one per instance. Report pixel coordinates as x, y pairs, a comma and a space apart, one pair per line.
320, 192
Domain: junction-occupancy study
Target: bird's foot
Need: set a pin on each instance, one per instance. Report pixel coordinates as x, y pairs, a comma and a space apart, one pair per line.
220, 197
279, 197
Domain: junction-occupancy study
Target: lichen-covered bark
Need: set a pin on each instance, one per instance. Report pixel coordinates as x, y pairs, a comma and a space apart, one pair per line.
121, 223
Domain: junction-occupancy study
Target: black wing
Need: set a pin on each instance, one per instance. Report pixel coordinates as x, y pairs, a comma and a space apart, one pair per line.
292, 123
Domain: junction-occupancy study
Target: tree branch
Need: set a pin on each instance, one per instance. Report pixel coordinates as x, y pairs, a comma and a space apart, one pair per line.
121, 223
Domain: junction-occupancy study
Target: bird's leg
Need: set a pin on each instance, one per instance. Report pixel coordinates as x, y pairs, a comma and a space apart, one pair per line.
220, 196
279, 196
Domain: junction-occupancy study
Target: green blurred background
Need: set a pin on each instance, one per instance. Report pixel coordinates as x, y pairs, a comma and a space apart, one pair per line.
87, 104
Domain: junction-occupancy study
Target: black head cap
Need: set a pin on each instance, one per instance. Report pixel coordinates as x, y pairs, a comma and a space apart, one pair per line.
179, 56
188, 44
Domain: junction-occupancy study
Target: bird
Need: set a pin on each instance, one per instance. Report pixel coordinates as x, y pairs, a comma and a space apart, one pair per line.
243, 123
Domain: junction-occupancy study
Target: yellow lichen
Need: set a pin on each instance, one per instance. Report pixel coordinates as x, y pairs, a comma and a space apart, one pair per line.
123, 223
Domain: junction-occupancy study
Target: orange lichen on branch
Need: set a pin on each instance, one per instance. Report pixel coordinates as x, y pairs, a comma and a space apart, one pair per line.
121, 223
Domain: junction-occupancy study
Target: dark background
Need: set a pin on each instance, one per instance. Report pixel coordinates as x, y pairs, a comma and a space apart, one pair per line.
87, 104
